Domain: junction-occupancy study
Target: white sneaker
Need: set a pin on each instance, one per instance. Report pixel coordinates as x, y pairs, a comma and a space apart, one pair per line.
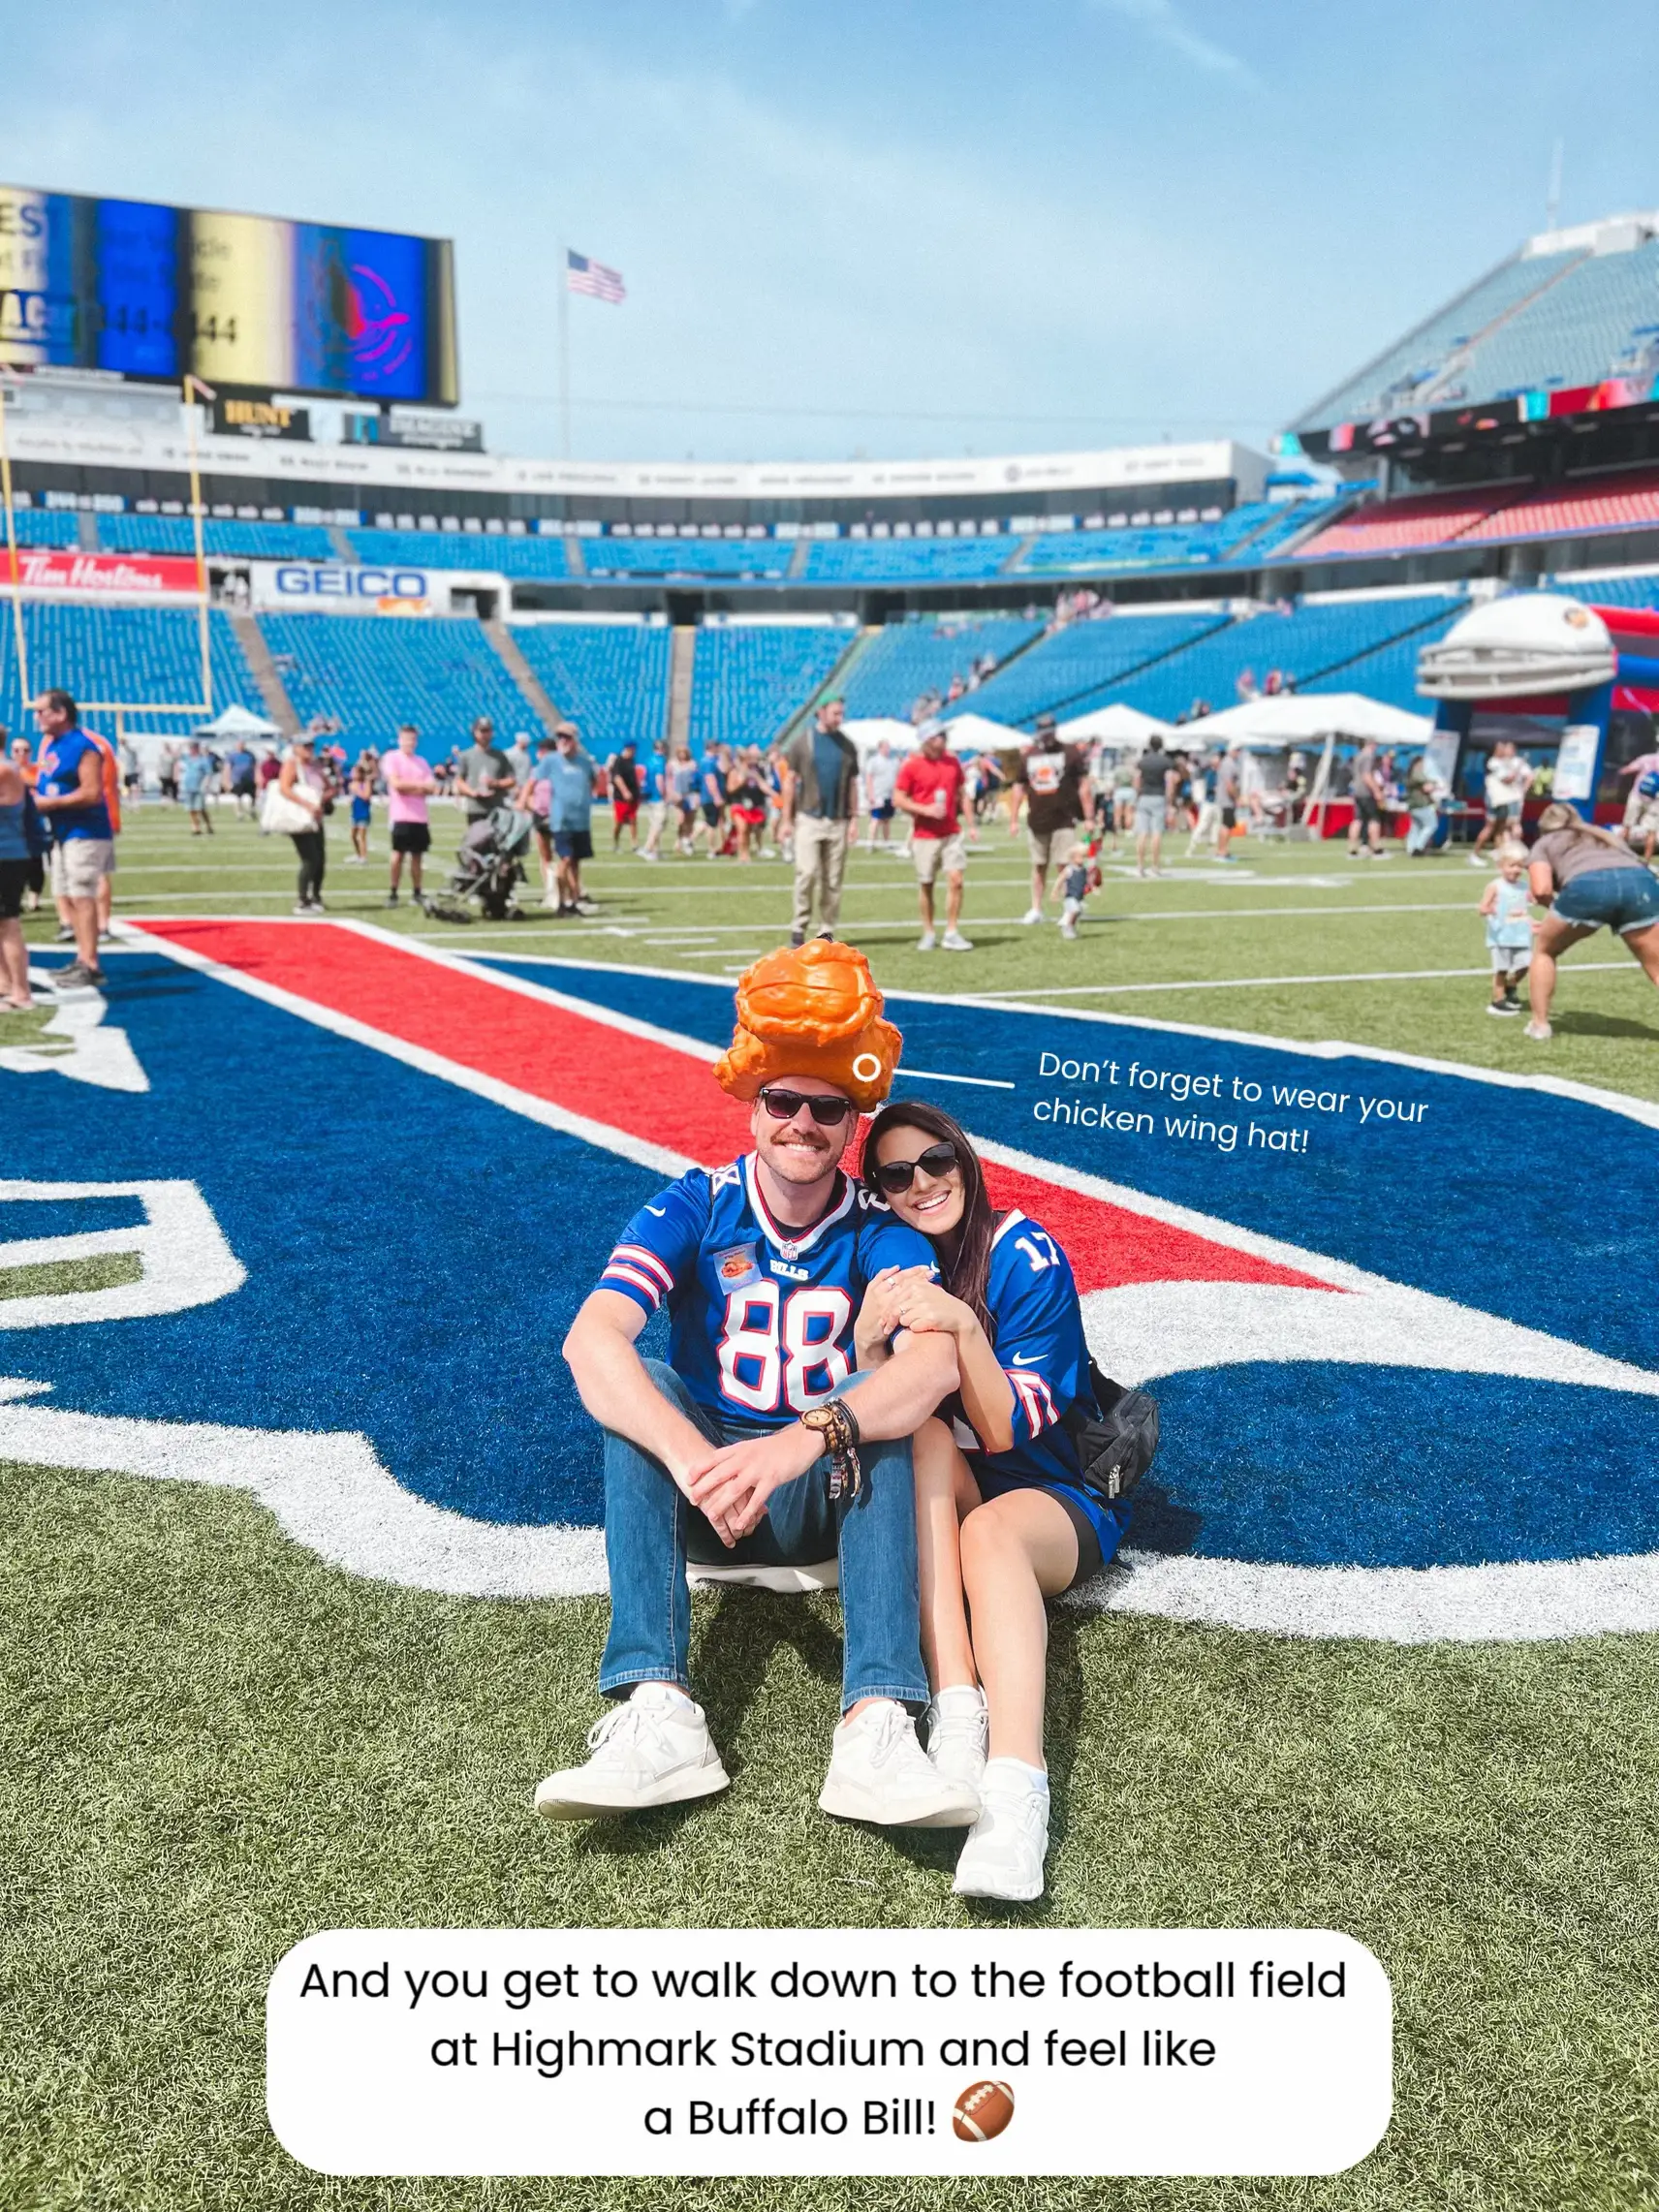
957, 1727
654, 1750
1007, 1844
1068, 929
1540, 1032
879, 1772
1032, 915
955, 942
789, 1582
1476, 861
924, 943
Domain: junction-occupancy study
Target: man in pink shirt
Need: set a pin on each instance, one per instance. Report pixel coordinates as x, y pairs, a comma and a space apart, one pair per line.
409, 783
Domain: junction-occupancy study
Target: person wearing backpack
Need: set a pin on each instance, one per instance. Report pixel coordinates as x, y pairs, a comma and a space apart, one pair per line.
1022, 1478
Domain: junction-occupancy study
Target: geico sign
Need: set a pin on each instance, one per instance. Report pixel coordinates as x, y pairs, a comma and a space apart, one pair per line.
295, 580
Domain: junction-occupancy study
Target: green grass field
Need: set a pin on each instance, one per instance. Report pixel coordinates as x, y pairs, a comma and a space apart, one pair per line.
214, 1744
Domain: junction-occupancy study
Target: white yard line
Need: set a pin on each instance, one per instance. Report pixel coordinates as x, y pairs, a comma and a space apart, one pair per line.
1263, 983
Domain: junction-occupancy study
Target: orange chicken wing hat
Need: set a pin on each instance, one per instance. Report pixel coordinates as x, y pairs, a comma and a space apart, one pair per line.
811, 1010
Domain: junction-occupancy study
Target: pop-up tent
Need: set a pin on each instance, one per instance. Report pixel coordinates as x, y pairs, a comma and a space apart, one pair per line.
238, 722
1307, 718
868, 730
1116, 725
979, 733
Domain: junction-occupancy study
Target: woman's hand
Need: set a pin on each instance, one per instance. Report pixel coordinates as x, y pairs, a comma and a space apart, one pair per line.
878, 1319
918, 1302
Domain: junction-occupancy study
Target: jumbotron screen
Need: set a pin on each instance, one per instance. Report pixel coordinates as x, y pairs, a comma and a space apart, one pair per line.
249, 302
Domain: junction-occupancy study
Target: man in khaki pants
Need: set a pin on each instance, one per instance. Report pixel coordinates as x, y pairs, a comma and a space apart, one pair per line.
820, 800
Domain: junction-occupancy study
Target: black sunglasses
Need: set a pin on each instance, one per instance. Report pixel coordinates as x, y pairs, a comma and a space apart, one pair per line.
898, 1175
784, 1105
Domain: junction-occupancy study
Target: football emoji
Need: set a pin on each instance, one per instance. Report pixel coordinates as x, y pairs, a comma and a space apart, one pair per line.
983, 2110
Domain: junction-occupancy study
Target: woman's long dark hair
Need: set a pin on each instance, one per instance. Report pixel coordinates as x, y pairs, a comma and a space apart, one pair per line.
966, 1265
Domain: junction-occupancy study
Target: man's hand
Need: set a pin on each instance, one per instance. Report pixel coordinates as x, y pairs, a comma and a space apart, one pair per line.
732, 1484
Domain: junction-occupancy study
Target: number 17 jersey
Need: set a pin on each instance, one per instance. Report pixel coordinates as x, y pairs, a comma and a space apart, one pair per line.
760, 1315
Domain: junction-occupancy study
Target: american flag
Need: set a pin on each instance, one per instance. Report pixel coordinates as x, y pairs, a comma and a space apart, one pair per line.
593, 278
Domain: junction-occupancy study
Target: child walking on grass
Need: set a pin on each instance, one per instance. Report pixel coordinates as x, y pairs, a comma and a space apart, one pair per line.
1082, 876
1506, 904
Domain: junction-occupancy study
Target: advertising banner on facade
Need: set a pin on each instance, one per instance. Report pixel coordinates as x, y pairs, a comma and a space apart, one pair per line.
101, 576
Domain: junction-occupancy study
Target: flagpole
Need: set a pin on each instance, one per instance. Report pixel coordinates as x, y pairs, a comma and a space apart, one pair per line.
564, 353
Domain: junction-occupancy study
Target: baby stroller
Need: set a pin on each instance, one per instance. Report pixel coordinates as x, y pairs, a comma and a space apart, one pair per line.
489, 867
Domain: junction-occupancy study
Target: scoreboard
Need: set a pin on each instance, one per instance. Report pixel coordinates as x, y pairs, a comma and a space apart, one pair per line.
251, 303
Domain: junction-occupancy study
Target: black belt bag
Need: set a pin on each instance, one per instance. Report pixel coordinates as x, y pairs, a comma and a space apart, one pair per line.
1116, 1437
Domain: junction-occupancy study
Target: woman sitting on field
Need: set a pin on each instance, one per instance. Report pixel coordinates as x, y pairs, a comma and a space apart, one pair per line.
1003, 1520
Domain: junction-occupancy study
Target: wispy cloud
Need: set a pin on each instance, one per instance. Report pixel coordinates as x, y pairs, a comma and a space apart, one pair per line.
1162, 20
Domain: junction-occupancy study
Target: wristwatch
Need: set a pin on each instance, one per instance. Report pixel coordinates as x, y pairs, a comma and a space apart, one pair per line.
838, 1425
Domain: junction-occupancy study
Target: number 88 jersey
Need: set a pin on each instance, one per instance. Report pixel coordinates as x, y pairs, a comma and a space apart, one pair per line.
760, 1315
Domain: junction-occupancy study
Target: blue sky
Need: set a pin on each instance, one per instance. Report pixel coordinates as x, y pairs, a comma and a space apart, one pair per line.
888, 227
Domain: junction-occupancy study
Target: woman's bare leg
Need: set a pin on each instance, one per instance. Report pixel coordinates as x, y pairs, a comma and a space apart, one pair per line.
1644, 944
15, 968
945, 1491
1017, 1550
1551, 941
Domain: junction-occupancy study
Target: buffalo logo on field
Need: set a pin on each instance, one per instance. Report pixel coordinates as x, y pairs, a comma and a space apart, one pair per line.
1403, 1394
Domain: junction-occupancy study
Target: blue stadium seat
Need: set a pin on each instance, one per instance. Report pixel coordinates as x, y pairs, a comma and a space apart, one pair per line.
127, 655
539, 558
922, 654
765, 558
908, 560
38, 526
749, 678
1081, 661
373, 672
611, 679
244, 541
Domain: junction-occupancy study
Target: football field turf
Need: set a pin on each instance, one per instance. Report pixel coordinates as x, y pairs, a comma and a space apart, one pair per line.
218, 1742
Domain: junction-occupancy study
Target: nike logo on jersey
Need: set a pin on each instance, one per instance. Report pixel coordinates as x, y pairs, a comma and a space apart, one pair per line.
1025, 1359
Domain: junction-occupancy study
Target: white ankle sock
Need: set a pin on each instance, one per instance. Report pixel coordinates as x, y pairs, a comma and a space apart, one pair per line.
1016, 1771
965, 1697
661, 1693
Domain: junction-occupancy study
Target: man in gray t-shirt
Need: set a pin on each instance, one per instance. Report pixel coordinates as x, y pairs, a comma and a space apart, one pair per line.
486, 773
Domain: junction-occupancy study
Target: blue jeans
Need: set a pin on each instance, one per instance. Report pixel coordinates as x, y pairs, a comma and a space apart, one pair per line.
1425, 822
650, 1522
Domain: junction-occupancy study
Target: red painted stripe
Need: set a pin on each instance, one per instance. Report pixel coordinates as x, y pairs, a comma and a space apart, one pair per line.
586, 1067
650, 1090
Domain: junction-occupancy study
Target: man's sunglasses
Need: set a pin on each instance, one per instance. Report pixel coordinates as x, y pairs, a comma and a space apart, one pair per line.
938, 1160
826, 1111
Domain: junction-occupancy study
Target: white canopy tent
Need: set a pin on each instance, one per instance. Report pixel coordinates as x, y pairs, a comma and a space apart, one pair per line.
1291, 719
1307, 718
868, 730
1116, 725
238, 722
979, 733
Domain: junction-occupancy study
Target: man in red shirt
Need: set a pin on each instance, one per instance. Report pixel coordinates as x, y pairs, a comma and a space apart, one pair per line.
929, 790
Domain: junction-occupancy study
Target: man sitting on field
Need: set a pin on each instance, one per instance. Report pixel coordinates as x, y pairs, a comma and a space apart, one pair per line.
756, 1442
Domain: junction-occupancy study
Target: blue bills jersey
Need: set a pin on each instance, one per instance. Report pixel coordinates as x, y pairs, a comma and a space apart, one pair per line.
1038, 1324
759, 1315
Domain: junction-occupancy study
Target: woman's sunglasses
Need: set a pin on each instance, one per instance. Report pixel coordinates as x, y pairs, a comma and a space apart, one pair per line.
898, 1175
826, 1111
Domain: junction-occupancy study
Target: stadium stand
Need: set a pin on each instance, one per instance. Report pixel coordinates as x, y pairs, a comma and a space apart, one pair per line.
245, 540
533, 558
611, 679
908, 560
38, 526
1611, 503
1640, 588
749, 678
1391, 382
766, 558
1237, 536
1330, 645
1084, 659
372, 673
1575, 331
1407, 525
129, 655
908, 659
